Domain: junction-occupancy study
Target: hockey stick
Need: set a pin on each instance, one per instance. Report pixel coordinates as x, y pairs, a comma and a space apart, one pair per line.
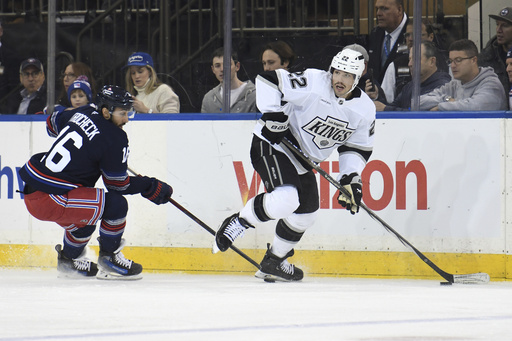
206, 227
475, 278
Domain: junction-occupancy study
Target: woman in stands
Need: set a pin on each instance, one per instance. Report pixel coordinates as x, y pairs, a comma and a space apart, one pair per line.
150, 94
70, 74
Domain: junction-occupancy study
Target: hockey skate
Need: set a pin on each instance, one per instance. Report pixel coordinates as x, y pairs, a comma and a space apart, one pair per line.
114, 266
231, 228
79, 267
273, 268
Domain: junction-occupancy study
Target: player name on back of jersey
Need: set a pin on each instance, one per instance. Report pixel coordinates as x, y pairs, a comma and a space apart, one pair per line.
86, 124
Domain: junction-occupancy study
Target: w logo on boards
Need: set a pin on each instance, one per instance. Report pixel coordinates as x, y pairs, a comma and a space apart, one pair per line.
394, 185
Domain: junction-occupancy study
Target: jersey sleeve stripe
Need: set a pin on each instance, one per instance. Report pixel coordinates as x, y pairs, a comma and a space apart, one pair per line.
116, 182
48, 180
365, 153
51, 125
270, 78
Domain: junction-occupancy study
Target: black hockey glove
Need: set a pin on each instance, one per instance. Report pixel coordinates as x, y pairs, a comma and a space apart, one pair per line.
353, 185
276, 126
159, 192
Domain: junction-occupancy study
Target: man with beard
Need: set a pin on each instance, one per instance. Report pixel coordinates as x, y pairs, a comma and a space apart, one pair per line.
59, 185
320, 112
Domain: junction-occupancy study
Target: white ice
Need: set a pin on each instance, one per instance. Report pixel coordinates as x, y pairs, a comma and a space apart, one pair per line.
37, 305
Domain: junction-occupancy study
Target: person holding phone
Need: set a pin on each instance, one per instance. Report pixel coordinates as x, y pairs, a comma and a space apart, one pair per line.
367, 83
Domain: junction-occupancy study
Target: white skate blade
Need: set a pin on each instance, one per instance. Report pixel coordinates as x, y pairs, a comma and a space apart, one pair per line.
270, 278
113, 276
73, 275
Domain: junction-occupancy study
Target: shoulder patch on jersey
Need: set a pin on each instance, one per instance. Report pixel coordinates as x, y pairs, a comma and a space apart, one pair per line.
329, 132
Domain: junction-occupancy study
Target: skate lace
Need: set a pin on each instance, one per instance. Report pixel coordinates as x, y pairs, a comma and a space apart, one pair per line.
82, 264
234, 230
121, 260
287, 267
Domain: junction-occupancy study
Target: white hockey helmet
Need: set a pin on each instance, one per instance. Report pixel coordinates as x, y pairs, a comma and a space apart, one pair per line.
349, 61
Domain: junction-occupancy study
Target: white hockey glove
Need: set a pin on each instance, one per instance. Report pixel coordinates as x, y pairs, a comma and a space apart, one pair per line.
353, 185
276, 126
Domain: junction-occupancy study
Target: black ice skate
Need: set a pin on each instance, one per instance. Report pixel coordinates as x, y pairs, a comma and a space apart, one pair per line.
75, 268
231, 228
273, 268
113, 265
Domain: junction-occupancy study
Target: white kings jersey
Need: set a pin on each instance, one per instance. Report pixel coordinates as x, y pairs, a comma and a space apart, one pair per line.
319, 121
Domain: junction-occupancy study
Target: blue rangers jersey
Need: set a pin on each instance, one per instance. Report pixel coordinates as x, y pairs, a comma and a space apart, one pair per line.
87, 146
320, 122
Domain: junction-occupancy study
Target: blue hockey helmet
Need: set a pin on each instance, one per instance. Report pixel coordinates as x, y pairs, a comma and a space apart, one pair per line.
112, 97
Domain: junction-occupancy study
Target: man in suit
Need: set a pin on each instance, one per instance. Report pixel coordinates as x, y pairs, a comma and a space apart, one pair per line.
386, 38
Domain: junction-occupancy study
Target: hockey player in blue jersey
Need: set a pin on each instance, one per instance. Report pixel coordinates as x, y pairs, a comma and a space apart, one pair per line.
320, 112
59, 185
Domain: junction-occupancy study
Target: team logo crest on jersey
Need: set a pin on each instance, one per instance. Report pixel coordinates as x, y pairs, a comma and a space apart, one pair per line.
329, 132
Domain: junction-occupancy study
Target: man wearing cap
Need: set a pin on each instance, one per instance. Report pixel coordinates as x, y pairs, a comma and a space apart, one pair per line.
495, 52
32, 99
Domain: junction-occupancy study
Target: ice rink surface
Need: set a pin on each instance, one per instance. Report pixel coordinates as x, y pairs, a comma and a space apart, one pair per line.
37, 305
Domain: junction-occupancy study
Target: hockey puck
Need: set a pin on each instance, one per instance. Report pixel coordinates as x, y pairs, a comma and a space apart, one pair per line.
269, 280
446, 283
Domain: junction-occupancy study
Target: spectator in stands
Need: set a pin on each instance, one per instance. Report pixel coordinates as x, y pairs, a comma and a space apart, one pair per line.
495, 51
32, 98
70, 74
430, 77
8, 68
366, 82
473, 87
151, 95
277, 55
79, 93
243, 94
397, 74
387, 36
508, 62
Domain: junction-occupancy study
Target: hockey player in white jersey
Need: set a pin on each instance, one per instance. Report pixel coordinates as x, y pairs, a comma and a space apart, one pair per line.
324, 111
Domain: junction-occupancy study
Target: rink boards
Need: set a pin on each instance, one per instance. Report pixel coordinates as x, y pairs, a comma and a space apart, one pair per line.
440, 180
